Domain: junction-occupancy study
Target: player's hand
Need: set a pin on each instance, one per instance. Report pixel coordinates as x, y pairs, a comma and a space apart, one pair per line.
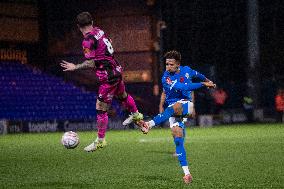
68, 66
208, 80
209, 84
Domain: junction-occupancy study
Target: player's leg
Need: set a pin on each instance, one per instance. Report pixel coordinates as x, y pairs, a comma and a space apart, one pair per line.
158, 119
128, 102
102, 122
126, 99
106, 92
175, 109
178, 132
172, 120
180, 108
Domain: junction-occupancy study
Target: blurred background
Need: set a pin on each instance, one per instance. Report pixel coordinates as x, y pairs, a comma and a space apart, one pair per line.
237, 44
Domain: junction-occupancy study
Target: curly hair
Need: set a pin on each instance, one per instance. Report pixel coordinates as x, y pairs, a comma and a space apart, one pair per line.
173, 55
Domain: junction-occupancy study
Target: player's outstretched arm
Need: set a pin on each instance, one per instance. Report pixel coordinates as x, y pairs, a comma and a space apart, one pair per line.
198, 75
192, 86
209, 84
69, 66
176, 85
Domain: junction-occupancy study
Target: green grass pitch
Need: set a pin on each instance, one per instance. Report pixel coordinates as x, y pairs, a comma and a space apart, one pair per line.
238, 156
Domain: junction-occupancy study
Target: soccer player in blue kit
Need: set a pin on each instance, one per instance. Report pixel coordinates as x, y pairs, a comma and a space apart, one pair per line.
177, 87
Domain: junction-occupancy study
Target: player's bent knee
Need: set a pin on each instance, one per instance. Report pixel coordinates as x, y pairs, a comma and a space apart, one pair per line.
122, 96
178, 108
177, 131
102, 106
191, 116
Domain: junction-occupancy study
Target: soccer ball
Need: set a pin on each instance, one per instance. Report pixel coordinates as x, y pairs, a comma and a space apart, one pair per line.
70, 140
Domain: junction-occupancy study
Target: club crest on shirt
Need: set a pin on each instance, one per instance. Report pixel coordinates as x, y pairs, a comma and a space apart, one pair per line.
168, 80
187, 75
181, 79
86, 50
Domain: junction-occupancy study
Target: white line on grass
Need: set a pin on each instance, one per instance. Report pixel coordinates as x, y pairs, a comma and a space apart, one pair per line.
160, 139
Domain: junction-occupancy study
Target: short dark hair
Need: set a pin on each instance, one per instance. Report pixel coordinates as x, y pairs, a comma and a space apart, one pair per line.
173, 55
84, 19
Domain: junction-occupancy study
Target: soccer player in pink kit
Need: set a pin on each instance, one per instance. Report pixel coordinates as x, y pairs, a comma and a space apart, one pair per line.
98, 52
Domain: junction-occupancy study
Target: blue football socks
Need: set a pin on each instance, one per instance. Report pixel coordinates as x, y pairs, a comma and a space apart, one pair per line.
180, 151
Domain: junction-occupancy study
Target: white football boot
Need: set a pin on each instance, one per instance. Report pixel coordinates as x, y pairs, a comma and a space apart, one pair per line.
95, 145
133, 117
187, 179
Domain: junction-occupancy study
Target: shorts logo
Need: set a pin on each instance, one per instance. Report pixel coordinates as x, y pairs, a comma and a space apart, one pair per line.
179, 154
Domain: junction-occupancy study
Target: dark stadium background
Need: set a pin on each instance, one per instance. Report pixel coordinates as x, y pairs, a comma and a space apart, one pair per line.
213, 37
236, 43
